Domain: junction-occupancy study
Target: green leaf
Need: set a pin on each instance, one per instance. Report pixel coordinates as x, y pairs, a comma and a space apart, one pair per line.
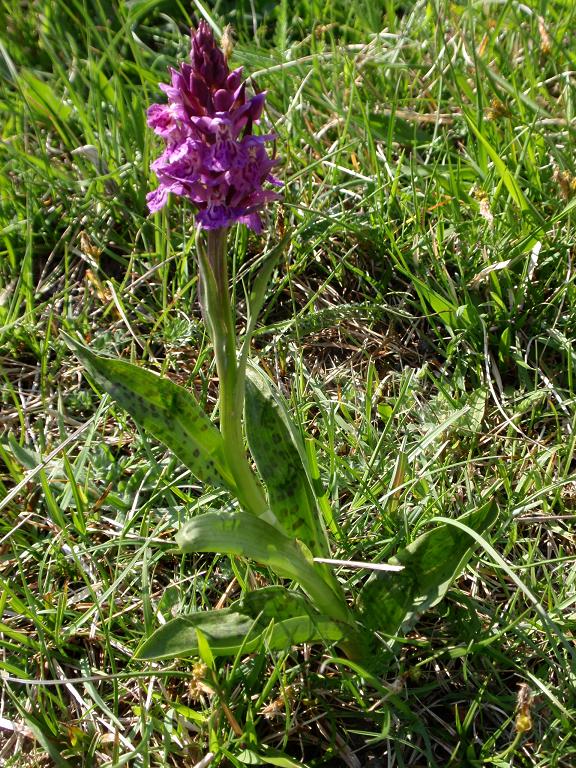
280, 457
508, 178
166, 410
303, 629
392, 601
42, 734
268, 757
445, 309
406, 133
276, 603
257, 293
42, 98
472, 420
228, 632
204, 649
242, 534
444, 415
239, 533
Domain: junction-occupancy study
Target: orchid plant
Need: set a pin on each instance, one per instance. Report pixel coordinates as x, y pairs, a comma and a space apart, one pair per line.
213, 158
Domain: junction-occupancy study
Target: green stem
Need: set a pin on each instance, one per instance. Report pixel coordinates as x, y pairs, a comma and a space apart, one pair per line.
217, 310
219, 319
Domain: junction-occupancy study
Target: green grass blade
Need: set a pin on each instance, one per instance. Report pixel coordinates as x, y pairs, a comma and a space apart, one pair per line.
166, 410
510, 182
41, 732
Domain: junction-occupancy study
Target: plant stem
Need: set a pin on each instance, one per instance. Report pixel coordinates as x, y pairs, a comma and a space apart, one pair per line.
218, 315
219, 319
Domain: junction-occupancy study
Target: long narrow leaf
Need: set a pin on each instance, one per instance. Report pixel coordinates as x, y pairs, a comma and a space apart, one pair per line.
509, 180
280, 458
228, 633
166, 410
242, 534
390, 602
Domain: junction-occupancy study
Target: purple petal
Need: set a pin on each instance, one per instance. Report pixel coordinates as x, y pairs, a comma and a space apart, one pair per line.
222, 100
215, 217
199, 90
157, 199
165, 119
234, 78
224, 154
257, 105
252, 220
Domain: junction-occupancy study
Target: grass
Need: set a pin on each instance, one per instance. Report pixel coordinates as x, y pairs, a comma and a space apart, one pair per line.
421, 326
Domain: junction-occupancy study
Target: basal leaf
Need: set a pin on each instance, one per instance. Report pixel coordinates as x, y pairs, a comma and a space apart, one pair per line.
166, 410
392, 601
280, 458
276, 603
242, 534
229, 632
303, 629
225, 631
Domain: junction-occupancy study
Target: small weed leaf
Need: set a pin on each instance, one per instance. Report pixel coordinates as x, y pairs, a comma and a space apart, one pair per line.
280, 458
464, 415
391, 602
445, 309
166, 410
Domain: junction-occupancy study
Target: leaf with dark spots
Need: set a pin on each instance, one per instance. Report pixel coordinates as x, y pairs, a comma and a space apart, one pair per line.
391, 601
163, 408
245, 535
274, 603
229, 632
279, 455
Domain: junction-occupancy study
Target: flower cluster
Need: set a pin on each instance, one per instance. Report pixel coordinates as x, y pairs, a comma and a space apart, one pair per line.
211, 156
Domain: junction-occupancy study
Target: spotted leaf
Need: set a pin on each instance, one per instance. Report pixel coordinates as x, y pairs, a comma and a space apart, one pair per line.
243, 534
163, 408
280, 457
391, 602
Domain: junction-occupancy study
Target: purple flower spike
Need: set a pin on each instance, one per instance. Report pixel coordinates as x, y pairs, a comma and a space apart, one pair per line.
211, 156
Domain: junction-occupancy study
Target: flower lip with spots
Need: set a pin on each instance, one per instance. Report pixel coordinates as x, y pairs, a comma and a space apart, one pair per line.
212, 157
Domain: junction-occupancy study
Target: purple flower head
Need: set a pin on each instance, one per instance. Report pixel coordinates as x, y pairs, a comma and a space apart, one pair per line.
211, 156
